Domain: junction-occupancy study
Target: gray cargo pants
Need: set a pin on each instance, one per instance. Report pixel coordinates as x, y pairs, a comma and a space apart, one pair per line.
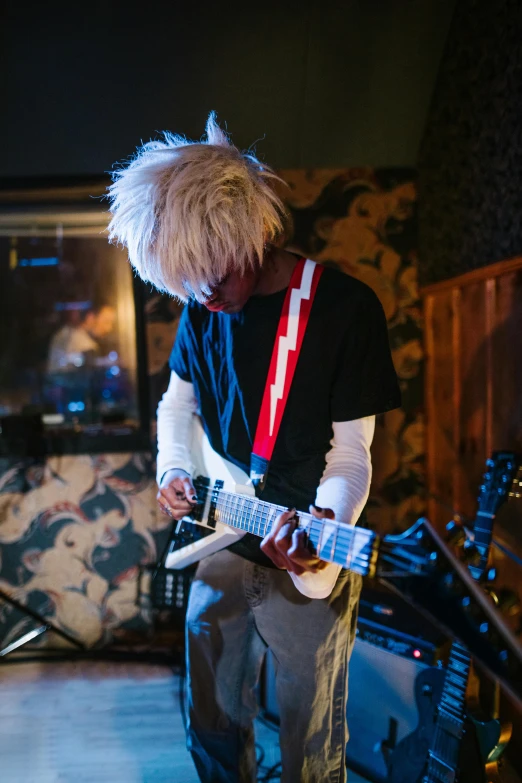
236, 610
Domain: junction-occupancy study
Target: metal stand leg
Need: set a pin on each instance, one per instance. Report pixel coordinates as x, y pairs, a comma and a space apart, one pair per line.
44, 626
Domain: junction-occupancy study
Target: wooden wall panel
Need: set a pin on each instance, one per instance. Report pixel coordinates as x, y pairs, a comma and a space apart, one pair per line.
471, 354
474, 397
506, 350
473, 381
439, 406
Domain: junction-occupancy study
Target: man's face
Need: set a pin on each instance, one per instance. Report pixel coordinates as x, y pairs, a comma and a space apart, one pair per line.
232, 292
103, 322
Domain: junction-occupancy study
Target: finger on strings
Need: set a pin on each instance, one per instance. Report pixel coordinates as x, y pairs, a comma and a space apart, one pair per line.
299, 545
284, 533
281, 520
272, 550
321, 513
301, 552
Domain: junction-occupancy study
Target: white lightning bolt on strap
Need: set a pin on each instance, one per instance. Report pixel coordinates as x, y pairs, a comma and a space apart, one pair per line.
288, 342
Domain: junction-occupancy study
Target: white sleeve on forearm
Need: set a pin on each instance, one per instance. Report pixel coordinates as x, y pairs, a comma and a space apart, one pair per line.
344, 487
175, 419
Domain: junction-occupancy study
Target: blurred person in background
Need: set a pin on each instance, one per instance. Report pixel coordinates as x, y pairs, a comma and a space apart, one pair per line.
74, 346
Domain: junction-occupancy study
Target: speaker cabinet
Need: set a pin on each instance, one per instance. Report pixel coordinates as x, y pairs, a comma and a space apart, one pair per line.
381, 704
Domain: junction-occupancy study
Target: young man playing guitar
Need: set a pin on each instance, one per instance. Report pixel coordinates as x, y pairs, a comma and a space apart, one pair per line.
202, 222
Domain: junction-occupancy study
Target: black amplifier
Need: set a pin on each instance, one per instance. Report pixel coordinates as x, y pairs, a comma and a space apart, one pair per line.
387, 621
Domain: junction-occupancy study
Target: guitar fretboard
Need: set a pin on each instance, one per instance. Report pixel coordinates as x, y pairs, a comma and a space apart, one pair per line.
348, 546
453, 695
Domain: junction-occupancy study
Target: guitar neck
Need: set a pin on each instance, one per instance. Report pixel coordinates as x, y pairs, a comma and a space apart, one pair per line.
454, 692
333, 541
453, 699
493, 492
482, 531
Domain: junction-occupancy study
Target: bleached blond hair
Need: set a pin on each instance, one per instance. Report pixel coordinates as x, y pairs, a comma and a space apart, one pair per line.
191, 212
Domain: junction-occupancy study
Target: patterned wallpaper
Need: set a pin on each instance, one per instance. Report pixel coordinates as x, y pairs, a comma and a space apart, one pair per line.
470, 162
75, 530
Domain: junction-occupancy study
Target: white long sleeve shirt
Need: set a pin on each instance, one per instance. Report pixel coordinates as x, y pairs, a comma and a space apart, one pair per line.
344, 485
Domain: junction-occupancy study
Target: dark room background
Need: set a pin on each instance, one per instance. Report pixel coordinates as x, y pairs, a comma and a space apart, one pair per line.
367, 108
325, 84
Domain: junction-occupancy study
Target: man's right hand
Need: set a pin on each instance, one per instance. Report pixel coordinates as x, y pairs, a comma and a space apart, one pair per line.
176, 496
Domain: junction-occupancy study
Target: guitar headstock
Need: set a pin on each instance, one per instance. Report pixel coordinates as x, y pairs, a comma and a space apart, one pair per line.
499, 481
422, 568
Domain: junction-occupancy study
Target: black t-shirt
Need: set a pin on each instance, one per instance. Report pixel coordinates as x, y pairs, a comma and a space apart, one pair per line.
344, 372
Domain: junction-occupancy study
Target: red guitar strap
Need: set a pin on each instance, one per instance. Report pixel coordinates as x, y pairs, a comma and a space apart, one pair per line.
289, 338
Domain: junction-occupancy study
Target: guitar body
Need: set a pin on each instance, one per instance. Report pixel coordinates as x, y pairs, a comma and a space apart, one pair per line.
211, 465
481, 741
407, 761
492, 737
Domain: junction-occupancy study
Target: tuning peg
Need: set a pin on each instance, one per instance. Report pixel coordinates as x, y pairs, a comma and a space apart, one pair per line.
508, 602
456, 534
490, 463
470, 553
488, 576
454, 586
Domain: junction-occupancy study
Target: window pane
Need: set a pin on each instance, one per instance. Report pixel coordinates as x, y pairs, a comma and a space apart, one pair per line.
68, 330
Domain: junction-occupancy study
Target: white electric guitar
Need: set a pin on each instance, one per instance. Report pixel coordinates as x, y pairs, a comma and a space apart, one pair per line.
228, 508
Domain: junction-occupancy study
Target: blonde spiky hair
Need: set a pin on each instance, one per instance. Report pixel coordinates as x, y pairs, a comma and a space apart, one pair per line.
190, 212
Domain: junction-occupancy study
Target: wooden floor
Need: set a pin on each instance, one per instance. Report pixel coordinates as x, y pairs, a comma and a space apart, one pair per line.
91, 722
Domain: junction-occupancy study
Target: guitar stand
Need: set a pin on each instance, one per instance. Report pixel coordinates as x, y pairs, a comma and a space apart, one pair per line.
44, 626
